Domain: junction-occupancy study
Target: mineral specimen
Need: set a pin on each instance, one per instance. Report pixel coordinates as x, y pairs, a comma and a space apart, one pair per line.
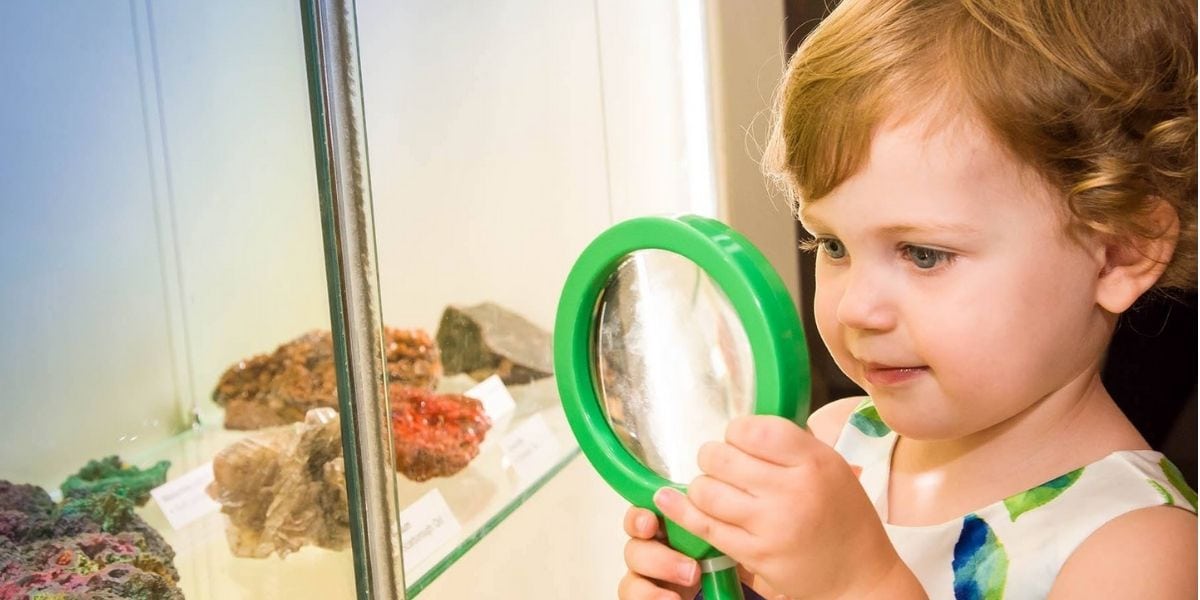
285, 487
25, 513
92, 545
486, 338
278, 389
435, 435
111, 474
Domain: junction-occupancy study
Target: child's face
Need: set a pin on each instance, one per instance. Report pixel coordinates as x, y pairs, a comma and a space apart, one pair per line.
947, 286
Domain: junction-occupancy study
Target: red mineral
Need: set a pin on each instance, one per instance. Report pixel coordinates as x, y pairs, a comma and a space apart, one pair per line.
436, 435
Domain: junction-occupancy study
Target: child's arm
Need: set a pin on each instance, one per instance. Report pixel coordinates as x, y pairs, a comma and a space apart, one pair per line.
1148, 553
785, 505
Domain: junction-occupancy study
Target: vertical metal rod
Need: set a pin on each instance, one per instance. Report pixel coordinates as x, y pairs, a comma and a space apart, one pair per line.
340, 145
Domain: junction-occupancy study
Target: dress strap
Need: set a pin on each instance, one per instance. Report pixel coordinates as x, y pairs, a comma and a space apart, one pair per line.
866, 442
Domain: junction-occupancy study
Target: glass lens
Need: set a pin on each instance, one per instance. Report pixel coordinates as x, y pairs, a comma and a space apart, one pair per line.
671, 360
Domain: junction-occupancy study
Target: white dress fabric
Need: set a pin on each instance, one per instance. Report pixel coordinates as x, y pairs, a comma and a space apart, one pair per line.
1013, 549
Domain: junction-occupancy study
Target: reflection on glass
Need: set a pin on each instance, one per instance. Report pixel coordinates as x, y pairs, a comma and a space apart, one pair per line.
672, 360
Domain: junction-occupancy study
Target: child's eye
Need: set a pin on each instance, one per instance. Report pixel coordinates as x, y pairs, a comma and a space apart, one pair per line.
832, 247
925, 258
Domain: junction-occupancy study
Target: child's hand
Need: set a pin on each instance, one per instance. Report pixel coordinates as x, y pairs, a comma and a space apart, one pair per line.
788, 508
655, 570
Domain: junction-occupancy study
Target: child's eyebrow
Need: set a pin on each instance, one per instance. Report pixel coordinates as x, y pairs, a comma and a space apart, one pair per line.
950, 228
813, 224
809, 221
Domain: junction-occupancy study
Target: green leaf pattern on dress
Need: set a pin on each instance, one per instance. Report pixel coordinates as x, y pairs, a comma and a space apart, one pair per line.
866, 419
1177, 481
1166, 496
1019, 504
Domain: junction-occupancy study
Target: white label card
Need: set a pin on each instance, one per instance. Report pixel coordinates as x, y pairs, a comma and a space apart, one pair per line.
531, 449
426, 526
496, 400
183, 500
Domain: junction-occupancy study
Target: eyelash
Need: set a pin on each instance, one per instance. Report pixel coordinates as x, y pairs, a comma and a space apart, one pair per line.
906, 251
810, 245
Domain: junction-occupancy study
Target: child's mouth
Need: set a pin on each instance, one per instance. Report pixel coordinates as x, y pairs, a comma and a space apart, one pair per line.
882, 376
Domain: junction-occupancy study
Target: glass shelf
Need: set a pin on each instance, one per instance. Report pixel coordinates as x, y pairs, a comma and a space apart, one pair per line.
207, 568
521, 452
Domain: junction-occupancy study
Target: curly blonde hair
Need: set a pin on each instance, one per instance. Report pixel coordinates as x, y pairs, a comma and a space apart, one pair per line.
1098, 96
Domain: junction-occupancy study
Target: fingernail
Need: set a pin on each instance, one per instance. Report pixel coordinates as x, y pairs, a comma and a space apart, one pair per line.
688, 573
665, 497
645, 522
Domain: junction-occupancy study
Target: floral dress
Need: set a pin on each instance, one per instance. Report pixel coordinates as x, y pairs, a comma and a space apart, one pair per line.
1012, 549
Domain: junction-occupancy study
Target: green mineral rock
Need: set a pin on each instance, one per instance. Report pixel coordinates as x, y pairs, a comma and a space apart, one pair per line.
111, 474
108, 509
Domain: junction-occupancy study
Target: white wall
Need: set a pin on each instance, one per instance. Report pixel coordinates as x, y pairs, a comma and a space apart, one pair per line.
85, 355
505, 135
237, 127
748, 56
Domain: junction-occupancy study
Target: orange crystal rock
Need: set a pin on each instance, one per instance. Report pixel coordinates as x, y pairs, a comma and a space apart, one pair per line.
279, 388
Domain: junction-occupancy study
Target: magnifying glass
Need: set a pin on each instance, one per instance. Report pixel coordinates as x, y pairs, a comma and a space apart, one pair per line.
667, 329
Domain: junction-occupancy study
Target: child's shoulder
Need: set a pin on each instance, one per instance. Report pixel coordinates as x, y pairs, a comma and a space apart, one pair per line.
826, 423
1157, 543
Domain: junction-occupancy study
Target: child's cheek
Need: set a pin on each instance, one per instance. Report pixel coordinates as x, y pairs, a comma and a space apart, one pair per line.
825, 314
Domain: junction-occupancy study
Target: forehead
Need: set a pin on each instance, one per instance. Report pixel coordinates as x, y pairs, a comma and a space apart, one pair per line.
931, 168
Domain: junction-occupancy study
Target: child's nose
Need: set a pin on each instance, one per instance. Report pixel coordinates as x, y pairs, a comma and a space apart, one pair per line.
865, 303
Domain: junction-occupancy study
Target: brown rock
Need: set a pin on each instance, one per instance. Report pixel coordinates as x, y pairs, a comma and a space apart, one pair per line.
488, 339
277, 389
284, 488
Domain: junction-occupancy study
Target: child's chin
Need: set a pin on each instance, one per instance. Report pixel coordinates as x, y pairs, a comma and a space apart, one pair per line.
912, 422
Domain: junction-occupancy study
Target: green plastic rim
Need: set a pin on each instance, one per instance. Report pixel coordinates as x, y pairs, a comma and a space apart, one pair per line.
759, 298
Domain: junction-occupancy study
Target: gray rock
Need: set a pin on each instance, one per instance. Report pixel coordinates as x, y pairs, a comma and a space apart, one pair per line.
486, 338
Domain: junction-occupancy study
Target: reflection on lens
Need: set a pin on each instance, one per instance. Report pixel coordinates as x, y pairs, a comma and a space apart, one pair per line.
671, 360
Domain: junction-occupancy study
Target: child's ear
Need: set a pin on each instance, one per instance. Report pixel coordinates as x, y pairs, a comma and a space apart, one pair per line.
1132, 265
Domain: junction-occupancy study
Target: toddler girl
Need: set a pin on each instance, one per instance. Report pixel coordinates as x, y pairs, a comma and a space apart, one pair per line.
990, 184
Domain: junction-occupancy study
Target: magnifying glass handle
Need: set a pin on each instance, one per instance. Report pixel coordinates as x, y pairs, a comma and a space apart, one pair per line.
721, 585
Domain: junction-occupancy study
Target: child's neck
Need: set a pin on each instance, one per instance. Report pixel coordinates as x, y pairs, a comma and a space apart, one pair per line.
935, 481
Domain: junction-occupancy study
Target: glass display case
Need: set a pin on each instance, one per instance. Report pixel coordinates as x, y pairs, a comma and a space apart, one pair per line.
161, 226
279, 282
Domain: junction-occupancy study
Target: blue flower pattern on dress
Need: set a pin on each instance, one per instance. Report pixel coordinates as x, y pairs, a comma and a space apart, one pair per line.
980, 563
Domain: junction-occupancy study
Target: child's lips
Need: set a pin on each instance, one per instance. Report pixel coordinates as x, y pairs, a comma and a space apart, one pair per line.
886, 376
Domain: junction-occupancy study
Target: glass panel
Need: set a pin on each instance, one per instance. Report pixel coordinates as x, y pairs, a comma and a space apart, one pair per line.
161, 240
503, 137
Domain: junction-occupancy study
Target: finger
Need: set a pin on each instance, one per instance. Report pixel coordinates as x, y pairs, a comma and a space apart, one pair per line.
733, 466
772, 439
633, 587
656, 560
721, 500
640, 523
730, 539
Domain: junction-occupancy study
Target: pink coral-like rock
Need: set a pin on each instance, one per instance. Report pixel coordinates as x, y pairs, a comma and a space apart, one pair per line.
89, 546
